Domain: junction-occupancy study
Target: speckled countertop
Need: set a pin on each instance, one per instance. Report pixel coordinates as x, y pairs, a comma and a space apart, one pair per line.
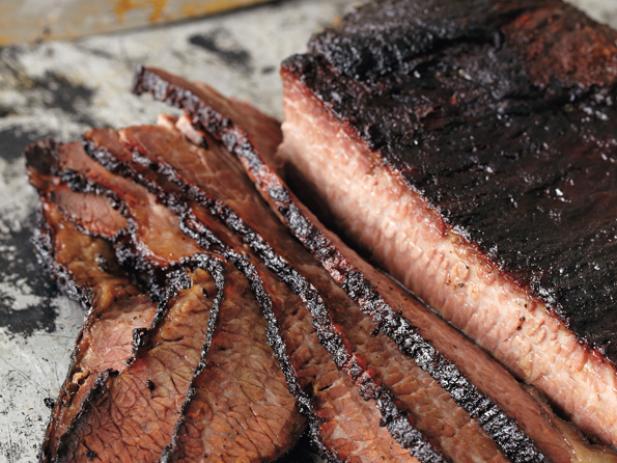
59, 89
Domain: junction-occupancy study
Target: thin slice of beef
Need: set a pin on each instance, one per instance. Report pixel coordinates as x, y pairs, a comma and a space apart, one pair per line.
376, 294
469, 147
86, 269
130, 412
240, 410
153, 230
131, 415
341, 432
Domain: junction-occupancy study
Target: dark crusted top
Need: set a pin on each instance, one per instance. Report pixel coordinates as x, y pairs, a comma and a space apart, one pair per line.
501, 115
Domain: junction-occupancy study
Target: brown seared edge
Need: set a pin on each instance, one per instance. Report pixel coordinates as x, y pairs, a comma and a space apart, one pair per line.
134, 199
148, 390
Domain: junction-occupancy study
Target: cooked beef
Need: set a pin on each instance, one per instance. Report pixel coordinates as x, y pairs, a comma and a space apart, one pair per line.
241, 409
224, 400
154, 230
332, 390
240, 379
376, 294
134, 417
342, 433
350, 426
86, 269
470, 148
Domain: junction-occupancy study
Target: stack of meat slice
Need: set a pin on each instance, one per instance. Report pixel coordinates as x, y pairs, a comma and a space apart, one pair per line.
223, 317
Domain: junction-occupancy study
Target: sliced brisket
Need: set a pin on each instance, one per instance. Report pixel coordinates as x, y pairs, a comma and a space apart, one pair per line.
433, 410
225, 414
470, 147
378, 296
340, 408
134, 416
240, 408
354, 430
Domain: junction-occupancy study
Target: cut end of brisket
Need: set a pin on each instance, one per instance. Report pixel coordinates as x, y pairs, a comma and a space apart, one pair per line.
469, 150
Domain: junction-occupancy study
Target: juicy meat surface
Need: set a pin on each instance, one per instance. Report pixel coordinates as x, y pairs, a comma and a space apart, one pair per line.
134, 417
155, 230
469, 147
116, 310
263, 426
86, 269
240, 408
344, 266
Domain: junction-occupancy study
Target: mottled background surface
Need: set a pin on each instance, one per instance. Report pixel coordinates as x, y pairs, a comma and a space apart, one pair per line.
59, 89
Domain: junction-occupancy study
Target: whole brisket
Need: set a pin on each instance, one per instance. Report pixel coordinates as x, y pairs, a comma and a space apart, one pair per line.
220, 307
470, 147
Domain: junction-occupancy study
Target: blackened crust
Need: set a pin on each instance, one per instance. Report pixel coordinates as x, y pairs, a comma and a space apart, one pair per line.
502, 118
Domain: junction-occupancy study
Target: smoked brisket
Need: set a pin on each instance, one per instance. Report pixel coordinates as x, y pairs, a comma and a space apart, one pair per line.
467, 144
226, 393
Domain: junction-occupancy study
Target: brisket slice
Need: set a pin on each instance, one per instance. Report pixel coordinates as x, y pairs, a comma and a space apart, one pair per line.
350, 425
237, 400
376, 294
86, 269
470, 147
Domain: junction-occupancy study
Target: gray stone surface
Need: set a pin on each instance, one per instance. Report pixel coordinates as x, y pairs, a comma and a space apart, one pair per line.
59, 89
